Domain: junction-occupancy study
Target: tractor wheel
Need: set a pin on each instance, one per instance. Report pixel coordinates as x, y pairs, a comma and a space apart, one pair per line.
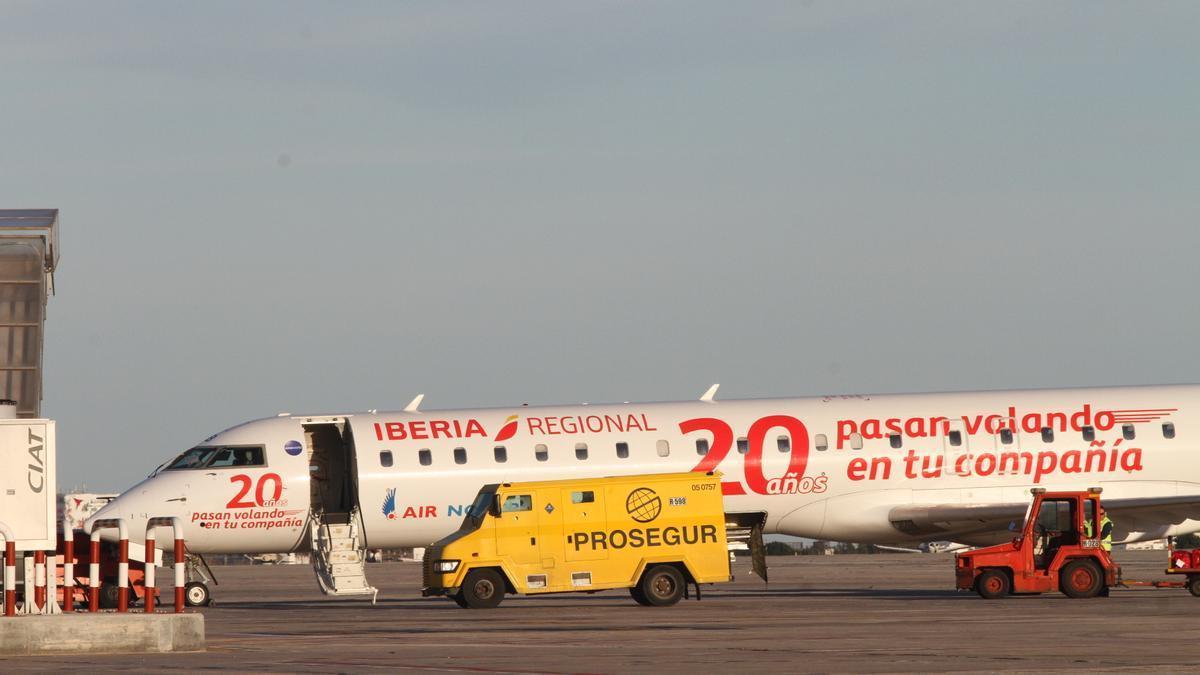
1081, 579
662, 586
483, 589
992, 584
1193, 585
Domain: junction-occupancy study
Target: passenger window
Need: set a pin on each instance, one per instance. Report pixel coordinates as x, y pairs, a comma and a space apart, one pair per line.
581, 451
1168, 430
701, 446
856, 441
385, 458
1006, 436
460, 455
541, 453
664, 448
584, 497
1047, 435
1089, 433
425, 456
743, 445
1127, 432
895, 440
501, 453
784, 444
517, 503
956, 438
622, 450
822, 442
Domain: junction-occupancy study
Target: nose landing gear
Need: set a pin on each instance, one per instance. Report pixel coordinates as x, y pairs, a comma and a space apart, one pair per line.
196, 592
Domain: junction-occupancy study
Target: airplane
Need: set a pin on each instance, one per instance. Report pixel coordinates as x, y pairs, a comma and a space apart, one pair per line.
895, 469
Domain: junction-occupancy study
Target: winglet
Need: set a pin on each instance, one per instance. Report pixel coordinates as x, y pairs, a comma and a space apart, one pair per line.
710, 394
415, 405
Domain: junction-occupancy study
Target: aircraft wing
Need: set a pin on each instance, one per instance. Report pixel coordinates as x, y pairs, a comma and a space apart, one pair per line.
995, 522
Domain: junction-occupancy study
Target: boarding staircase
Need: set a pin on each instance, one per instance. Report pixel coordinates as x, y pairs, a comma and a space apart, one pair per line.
339, 554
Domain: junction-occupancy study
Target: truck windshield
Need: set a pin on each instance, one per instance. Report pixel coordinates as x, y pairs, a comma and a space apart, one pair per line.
478, 510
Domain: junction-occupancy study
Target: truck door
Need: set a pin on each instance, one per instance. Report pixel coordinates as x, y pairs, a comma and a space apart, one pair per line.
516, 528
550, 529
583, 513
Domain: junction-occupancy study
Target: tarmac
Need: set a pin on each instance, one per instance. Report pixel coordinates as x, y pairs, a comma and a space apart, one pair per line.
851, 613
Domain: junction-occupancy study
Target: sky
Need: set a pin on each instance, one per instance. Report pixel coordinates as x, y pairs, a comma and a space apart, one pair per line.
327, 207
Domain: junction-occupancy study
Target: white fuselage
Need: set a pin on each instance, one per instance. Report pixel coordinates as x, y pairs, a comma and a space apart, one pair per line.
825, 468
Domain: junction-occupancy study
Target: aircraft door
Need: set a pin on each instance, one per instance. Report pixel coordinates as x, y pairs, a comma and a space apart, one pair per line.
516, 528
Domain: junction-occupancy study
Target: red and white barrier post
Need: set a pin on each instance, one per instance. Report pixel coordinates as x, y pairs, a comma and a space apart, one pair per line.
122, 563
10, 570
68, 603
39, 580
176, 525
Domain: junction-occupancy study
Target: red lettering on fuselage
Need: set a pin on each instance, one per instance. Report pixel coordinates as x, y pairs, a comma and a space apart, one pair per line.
427, 429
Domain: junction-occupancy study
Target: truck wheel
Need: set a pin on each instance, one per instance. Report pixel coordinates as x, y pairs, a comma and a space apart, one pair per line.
1081, 579
482, 589
196, 594
459, 600
992, 584
1193, 585
662, 586
638, 596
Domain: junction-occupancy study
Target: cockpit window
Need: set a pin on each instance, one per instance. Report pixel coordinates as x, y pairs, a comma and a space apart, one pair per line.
202, 457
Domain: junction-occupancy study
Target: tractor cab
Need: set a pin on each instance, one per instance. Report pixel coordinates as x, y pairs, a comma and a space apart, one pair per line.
1058, 549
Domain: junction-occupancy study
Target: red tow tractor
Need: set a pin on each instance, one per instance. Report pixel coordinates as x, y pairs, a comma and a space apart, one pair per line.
1055, 553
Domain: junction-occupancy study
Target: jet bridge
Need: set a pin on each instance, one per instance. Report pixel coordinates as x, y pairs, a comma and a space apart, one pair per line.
28, 255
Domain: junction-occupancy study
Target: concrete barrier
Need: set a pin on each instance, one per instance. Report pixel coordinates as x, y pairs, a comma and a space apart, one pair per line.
101, 634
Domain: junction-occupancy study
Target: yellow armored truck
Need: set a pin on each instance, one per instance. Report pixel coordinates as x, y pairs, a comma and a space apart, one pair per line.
653, 534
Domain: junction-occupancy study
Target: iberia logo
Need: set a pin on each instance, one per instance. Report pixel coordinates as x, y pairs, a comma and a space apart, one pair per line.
389, 504
508, 430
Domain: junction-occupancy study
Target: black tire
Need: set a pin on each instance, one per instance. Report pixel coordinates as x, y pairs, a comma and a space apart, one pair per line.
662, 586
460, 600
196, 594
992, 584
1081, 579
109, 595
1193, 585
638, 596
482, 589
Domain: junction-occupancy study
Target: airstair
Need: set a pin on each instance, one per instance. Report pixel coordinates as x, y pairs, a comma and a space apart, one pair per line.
339, 554
28, 256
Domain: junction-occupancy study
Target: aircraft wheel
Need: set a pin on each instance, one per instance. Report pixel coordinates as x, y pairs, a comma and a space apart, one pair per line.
1193, 585
992, 584
483, 589
196, 594
662, 586
1081, 579
638, 596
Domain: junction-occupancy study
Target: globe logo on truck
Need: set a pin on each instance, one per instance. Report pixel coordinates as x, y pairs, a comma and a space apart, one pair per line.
643, 505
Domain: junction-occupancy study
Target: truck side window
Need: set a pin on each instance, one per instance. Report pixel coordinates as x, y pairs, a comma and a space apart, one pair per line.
425, 456
622, 450
385, 458
584, 497
517, 503
540, 452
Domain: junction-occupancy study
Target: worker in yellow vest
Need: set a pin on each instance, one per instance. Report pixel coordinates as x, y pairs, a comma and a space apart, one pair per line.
1106, 530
